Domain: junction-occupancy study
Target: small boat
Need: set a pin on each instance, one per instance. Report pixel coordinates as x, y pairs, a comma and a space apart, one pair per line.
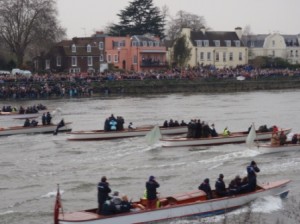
234, 137
34, 129
16, 115
176, 206
268, 148
126, 133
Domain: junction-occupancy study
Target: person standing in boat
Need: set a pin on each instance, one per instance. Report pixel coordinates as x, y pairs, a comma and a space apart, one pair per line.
44, 119
213, 131
252, 169
282, 138
226, 132
103, 193
151, 186
205, 186
48, 118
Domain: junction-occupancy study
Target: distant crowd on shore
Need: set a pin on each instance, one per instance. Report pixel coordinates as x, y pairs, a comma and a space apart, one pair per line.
79, 85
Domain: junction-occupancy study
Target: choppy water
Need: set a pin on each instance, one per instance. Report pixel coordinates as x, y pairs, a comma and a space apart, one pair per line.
31, 166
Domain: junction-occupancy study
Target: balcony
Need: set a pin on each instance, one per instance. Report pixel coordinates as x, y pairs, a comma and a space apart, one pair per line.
151, 64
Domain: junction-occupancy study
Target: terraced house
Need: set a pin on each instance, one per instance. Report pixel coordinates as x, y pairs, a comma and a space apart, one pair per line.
220, 49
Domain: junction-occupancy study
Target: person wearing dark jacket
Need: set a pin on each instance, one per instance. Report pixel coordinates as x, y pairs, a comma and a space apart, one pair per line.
220, 186
103, 191
252, 169
205, 186
151, 186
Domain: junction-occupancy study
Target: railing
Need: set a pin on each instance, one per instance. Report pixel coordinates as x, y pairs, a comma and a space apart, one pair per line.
153, 64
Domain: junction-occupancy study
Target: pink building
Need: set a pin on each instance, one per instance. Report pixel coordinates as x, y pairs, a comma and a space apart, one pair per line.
137, 53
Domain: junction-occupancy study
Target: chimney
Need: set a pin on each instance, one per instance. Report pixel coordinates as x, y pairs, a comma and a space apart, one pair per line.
239, 32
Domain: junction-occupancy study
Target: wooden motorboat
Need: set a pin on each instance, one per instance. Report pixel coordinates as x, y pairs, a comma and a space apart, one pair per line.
268, 148
234, 137
34, 129
175, 206
126, 133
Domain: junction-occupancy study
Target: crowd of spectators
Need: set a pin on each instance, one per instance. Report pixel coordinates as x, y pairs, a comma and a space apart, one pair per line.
80, 85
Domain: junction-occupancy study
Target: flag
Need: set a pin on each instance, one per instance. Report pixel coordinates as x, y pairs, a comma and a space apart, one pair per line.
57, 206
251, 136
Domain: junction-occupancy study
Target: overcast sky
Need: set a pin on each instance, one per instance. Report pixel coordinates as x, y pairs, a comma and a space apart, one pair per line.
83, 17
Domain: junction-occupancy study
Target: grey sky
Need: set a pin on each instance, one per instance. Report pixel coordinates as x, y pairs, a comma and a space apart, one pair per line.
83, 17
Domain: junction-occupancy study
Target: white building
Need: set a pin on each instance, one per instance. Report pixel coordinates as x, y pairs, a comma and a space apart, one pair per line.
217, 48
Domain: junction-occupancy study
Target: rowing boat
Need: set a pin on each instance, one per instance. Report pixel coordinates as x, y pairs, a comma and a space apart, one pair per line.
126, 133
268, 148
234, 137
34, 129
175, 206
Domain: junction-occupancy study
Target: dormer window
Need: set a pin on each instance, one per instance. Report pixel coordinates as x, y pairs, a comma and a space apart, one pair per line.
217, 43
144, 43
88, 48
199, 43
237, 43
134, 43
228, 43
73, 48
150, 44
206, 43
157, 43
252, 44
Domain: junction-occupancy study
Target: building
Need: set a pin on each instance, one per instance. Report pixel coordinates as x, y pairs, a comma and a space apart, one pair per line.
275, 46
216, 48
94, 54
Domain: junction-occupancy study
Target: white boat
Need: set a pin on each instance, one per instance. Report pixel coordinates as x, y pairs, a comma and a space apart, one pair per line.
34, 129
139, 131
16, 115
176, 206
234, 137
268, 148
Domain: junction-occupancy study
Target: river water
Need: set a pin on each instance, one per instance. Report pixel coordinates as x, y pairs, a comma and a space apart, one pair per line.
31, 166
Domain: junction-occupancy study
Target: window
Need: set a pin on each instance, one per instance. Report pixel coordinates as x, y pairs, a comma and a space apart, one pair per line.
109, 58
228, 43
74, 61
240, 56
252, 43
217, 56
116, 58
224, 56
296, 53
144, 43
88, 48
199, 43
273, 43
101, 45
237, 43
208, 56
291, 53
101, 57
230, 56
217, 43
58, 61
273, 53
206, 43
156, 43
134, 43
150, 43
47, 64
90, 60
201, 56
73, 48
135, 59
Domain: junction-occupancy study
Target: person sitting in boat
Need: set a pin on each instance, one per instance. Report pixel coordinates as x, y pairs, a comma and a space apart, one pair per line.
226, 132
183, 123
176, 123
120, 123
151, 186
295, 139
206, 131
113, 125
282, 138
165, 125
233, 188
171, 123
106, 125
34, 123
275, 128
130, 126
220, 186
205, 186
252, 169
27, 123
275, 139
213, 131
116, 200
103, 193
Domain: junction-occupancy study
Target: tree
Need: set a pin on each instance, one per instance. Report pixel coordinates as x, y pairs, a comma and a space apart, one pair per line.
139, 18
28, 23
181, 51
184, 20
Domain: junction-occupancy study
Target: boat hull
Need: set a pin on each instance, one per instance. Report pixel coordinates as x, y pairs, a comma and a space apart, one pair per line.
267, 148
236, 137
197, 208
33, 130
126, 133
